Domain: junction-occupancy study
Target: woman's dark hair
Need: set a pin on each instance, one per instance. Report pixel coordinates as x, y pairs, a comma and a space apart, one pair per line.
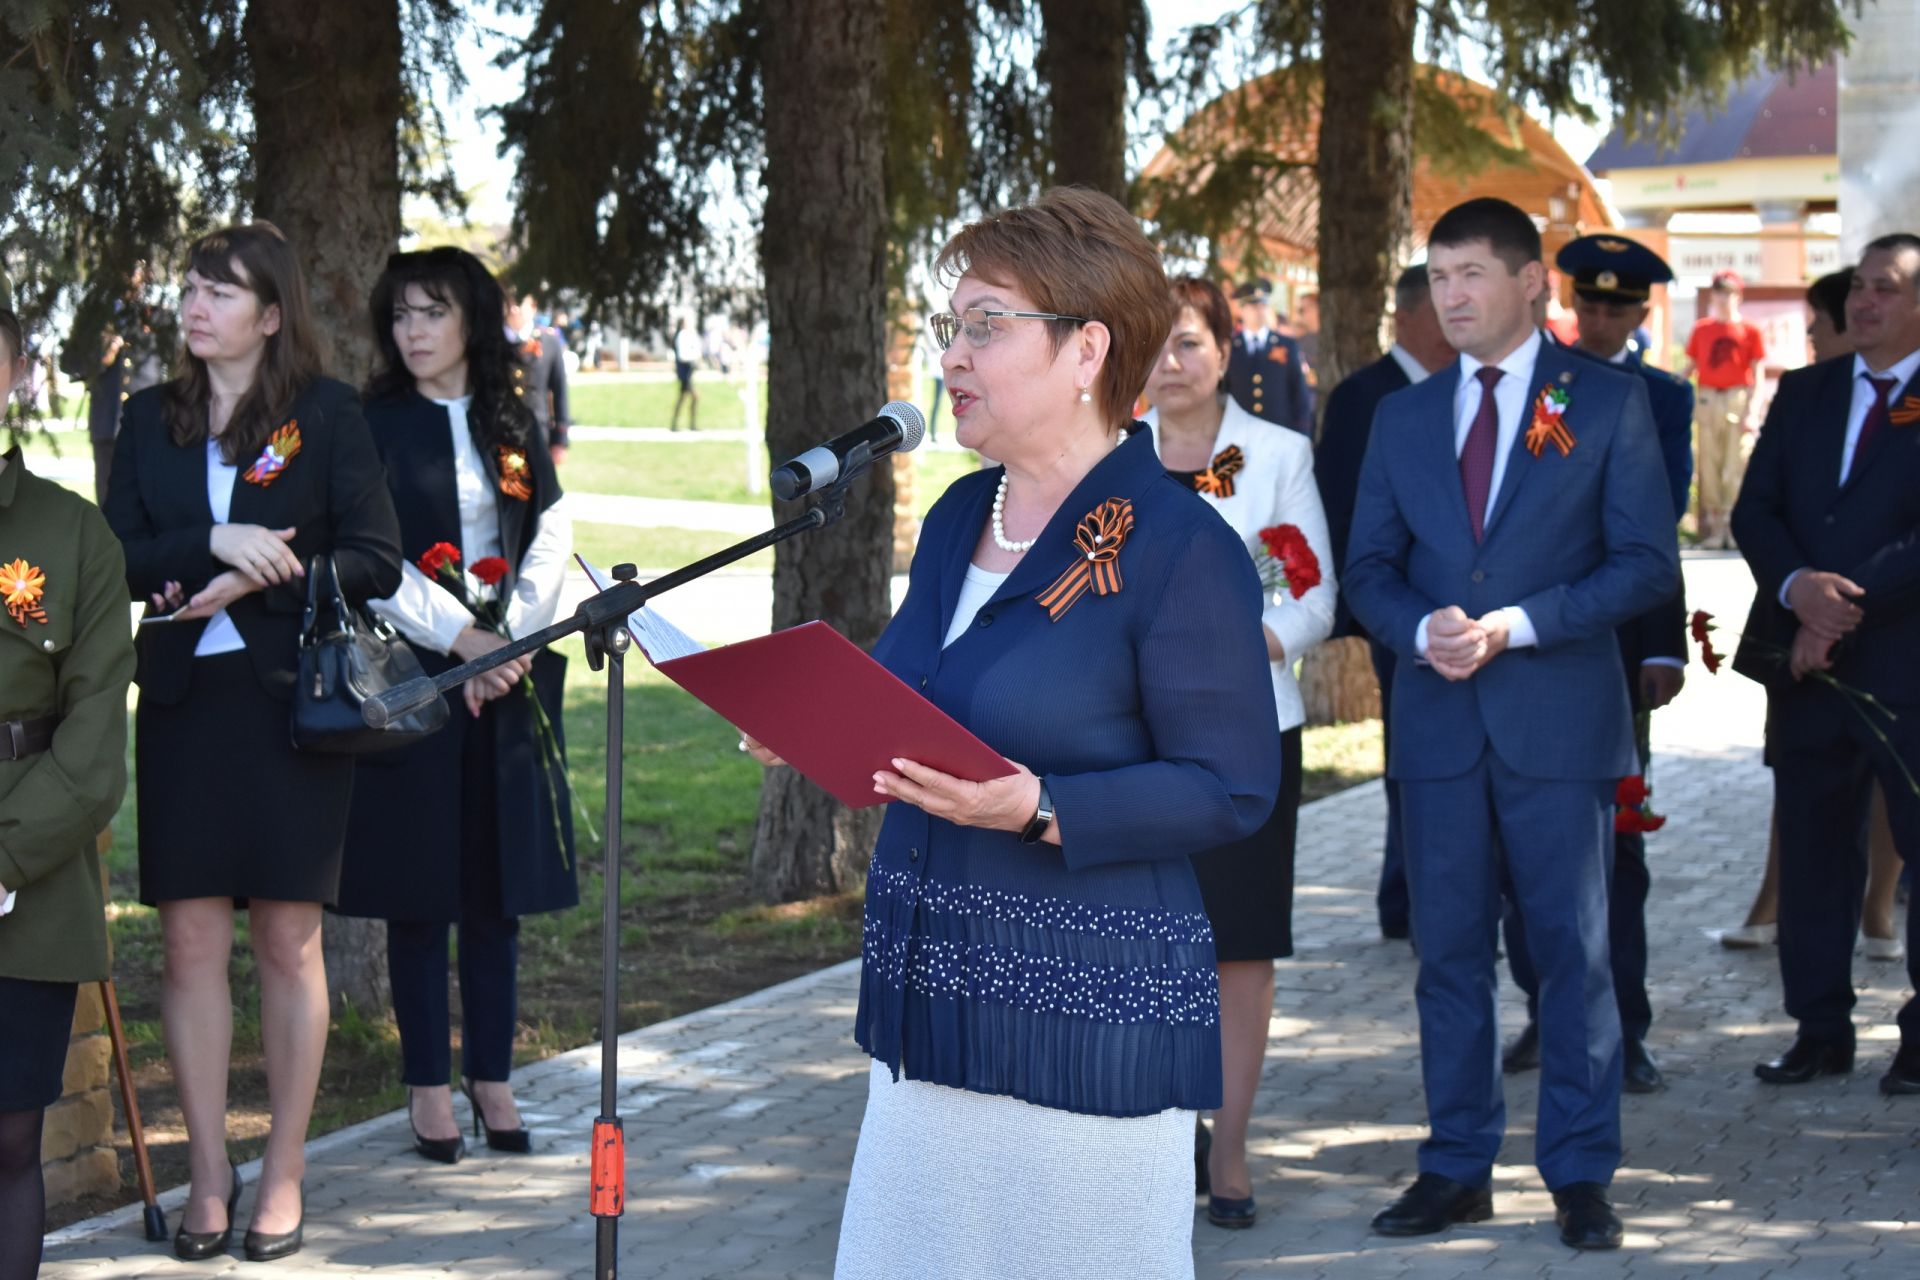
12, 334
256, 257
1204, 296
454, 277
1828, 296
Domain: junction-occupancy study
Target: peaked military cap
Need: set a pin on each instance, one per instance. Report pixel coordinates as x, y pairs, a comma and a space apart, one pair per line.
1612, 268
1255, 290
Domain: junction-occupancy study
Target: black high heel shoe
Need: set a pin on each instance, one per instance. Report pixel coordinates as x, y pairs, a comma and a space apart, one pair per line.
261, 1247
198, 1246
518, 1141
441, 1150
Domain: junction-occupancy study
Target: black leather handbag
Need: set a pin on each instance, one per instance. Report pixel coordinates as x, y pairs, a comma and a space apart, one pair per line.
345, 659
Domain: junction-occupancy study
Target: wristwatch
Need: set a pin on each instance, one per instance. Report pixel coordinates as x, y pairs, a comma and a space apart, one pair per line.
1042, 818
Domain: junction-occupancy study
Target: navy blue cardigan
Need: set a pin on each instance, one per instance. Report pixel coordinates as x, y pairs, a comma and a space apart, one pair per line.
1079, 977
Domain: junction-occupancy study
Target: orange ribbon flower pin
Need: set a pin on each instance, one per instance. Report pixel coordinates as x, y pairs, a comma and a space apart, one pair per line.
515, 480
1549, 423
282, 447
1907, 414
1097, 539
1217, 479
22, 587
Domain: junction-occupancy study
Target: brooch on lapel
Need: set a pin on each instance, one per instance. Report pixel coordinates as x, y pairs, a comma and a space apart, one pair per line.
282, 447
1277, 354
1217, 479
23, 586
515, 481
1907, 414
531, 347
1097, 539
1549, 423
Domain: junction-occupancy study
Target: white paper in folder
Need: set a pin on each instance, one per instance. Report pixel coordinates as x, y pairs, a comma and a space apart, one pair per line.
658, 638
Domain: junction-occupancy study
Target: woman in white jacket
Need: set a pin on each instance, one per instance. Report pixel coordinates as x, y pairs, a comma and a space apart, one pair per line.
1260, 478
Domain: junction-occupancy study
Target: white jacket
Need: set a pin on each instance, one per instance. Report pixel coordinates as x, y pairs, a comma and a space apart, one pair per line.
1275, 486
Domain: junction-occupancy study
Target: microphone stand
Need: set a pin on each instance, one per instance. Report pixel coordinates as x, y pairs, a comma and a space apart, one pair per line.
601, 619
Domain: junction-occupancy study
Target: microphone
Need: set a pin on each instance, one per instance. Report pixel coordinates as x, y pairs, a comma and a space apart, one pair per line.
406, 697
899, 427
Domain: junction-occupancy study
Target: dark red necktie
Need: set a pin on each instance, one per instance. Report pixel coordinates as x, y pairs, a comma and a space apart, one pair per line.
1876, 418
1476, 456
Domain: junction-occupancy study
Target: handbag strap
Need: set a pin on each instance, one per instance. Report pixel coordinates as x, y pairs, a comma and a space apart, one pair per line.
321, 574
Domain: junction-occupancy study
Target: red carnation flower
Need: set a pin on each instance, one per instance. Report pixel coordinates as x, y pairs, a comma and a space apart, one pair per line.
441, 555
1290, 547
490, 570
1631, 793
1626, 821
1652, 821
1701, 623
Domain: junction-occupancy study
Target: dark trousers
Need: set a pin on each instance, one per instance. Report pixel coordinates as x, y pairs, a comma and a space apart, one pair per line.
1391, 897
1626, 940
489, 998
1825, 758
1556, 838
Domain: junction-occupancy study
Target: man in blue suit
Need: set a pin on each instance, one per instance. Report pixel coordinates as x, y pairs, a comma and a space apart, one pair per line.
1512, 512
1266, 373
1419, 348
1829, 522
1612, 280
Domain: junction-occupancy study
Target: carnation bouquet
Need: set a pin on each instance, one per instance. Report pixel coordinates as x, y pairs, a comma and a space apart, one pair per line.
1286, 562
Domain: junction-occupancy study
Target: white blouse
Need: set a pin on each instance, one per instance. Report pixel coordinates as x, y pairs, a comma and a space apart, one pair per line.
431, 616
1276, 486
220, 635
975, 590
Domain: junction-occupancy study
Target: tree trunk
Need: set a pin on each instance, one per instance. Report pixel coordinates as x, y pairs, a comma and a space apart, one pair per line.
823, 253
1083, 58
326, 112
1366, 221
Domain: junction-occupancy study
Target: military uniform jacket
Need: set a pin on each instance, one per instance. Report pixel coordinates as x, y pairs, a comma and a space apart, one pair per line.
69, 653
540, 377
1269, 380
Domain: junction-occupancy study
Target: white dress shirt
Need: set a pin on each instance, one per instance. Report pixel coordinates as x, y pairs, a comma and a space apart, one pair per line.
1415, 371
220, 635
1510, 404
429, 615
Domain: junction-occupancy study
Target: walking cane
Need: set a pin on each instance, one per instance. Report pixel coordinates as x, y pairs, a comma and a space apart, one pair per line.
142, 1167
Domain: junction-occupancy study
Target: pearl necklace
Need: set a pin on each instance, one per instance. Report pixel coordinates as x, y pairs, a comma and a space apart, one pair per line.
1000, 538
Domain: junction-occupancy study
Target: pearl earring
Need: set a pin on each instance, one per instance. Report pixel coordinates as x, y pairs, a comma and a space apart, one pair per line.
1086, 397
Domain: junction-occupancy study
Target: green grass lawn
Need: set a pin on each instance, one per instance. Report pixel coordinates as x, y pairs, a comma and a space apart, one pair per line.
597, 401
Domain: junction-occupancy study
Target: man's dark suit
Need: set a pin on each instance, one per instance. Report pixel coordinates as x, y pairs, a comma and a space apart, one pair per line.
1794, 513
1344, 432
1661, 632
540, 375
1523, 755
1266, 379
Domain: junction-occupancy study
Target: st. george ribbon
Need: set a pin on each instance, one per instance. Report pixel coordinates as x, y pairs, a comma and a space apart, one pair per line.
899, 428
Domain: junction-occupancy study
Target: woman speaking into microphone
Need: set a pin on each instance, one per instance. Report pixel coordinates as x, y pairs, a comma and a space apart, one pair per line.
1038, 989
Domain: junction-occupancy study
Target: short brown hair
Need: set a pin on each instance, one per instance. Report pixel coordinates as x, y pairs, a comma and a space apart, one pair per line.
292, 359
1205, 297
1078, 252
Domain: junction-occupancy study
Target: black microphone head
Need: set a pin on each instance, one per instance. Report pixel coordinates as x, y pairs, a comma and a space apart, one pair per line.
913, 424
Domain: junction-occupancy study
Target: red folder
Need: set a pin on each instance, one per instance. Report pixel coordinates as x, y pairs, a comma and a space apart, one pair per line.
831, 711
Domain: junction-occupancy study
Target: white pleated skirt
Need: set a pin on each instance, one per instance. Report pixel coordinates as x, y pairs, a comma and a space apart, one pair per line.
952, 1185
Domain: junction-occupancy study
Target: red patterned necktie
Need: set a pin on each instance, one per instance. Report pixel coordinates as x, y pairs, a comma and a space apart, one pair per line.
1877, 417
1476, 456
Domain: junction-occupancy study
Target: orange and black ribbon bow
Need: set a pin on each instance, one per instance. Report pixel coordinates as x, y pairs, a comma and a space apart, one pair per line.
1907, 414
1217, 479
515, 480
1097, 540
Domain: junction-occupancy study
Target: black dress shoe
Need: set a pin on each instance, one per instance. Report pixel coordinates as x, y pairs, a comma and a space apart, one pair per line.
1433, 1203
1904, 1075
1586, 1217
198, 1246
1395, 930
261, 1247
1524, 1053
1233, 1214
1642, 1071
1807, 1059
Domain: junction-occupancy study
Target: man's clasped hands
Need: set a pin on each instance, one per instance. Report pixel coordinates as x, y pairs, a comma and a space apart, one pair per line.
1458, 646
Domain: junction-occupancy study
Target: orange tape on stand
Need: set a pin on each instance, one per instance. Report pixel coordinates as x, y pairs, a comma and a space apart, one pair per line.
609, 1168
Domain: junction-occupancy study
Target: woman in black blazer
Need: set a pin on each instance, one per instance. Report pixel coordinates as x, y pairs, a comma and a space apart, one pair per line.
470, 827
225, 482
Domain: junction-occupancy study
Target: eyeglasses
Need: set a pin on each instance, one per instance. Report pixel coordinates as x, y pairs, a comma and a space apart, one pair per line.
974, 323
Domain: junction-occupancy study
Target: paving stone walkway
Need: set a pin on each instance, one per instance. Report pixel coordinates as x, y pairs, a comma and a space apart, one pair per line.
741, 1119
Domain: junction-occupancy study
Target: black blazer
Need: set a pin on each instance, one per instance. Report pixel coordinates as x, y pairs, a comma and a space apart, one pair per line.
1344, 432
331, 493
410, 838
1794, 513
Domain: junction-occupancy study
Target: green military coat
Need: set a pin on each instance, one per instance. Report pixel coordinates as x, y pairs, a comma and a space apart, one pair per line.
67, 653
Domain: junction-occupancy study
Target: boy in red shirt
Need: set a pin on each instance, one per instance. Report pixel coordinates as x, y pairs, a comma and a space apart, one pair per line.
1725, 353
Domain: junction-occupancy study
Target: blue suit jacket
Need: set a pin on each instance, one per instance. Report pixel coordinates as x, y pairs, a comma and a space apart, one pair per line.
1079, 977
1581, 541
1271, 382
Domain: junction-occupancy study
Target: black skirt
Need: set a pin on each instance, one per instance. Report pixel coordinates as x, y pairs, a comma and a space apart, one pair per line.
38, 1017
228, 809
1248, 885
